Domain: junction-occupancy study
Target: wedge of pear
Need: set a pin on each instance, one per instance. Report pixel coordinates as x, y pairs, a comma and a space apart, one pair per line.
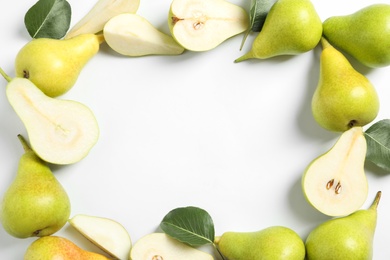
201, 25
100, 13
133, 35
107, 234
60, 131
159, 246
335, 183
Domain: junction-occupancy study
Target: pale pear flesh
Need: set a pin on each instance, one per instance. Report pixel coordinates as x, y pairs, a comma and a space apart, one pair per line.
55, 247
107, 234
159, 246
133, 35
100, 14
60, 131
335, 183
201, 25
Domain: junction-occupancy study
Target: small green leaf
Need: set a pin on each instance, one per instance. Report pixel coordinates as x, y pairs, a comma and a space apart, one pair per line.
48, 19
190, 225
378, 144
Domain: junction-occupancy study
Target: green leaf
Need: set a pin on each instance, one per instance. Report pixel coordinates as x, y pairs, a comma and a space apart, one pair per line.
48, 19
257, 14
378, 144
190, 225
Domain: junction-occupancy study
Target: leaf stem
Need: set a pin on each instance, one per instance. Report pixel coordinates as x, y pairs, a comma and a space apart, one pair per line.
2, 72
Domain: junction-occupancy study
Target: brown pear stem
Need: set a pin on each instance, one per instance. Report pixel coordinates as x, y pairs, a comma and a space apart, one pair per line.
375, 203
2, 72
24, 143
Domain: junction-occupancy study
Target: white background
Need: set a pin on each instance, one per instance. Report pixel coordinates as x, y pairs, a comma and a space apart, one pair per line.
192, 130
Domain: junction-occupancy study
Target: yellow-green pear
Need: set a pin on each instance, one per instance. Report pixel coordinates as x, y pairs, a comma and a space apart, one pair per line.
335, 183
364, 34
54, 65
347, 238
344, 97
272, 243
58, 248
35, 204
290, 28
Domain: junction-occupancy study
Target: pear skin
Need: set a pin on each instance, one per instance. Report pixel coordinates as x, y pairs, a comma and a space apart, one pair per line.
290, 28
35, 203
347, 238
54, 65
55, 247
344, 97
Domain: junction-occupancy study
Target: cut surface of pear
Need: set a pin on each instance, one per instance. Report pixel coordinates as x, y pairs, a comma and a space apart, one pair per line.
60, 131
107, 234
54, 65
335, 183
100, 13
201, 25
133, 35
156, 246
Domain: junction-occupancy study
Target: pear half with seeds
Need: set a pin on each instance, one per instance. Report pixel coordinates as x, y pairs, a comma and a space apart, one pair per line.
133, 35
335, 183
107, 234
201, 25
159, 246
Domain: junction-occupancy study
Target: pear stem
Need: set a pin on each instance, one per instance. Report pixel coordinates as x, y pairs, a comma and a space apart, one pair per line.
2, 72
375, 203
24, 143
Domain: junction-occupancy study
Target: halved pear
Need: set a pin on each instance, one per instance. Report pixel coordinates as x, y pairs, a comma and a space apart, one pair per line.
159, 246
133, 35
101, 12
335, 183
60, 131
107, 234
201, 25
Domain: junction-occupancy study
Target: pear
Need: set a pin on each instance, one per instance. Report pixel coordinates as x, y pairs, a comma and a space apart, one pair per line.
54, 65
100, 14
335, 183
107, 234
291, 27
347, 238
35, 204
202, 25
364, 34
275, 242
344, 97
133, 35
60, 131
55, 247
159, 246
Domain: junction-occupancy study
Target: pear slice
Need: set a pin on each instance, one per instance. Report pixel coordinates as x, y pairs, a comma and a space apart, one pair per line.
201, 25
335, 183
60, 131
133, 35
107, 234
159, 246
101, 12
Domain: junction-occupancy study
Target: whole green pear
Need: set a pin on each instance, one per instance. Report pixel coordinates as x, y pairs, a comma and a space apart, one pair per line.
54, 65
345, 238
344, 97
290, 28
35, 203
272, 243
365, 34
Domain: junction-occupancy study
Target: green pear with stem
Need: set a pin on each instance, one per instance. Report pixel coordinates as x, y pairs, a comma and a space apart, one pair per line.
60, 131
35, 204
275, 242
364, 34
291, 27
348, 238
344, 97
55, 247
335, 183
54, 65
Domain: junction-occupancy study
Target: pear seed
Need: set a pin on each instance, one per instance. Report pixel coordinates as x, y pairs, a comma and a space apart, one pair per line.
338, 188
329, 184
157, 257
198, 25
